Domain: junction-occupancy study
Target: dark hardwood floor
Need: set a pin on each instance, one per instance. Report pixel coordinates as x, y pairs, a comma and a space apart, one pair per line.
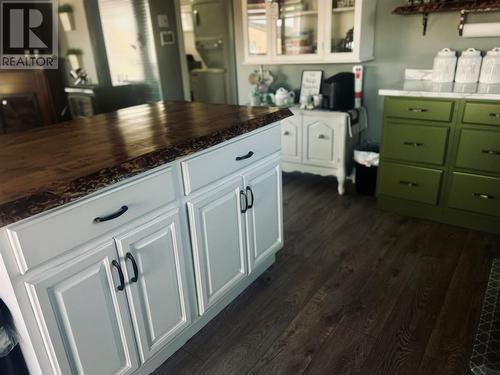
355, 290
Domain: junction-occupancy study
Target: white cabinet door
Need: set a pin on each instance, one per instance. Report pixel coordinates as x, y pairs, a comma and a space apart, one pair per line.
319, 142
291, 139
264, 215
218, 241
84, 316
153, 261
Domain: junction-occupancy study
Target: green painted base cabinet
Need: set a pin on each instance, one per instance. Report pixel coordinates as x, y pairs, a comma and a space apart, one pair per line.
440, 160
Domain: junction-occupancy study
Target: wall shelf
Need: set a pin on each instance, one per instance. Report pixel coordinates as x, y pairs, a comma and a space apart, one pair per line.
462, 6
452, 6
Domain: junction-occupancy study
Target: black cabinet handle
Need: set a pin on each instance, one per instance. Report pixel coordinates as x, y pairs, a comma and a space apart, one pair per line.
247, 156
249, 190
414, 144
496, 115
418, 110
243, 194
408, 183
483, 196
130, 257
120, 273
491, 152
115, 215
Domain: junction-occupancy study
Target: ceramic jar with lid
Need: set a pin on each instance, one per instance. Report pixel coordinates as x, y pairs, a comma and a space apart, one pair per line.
469, 66
490, 71
444, 66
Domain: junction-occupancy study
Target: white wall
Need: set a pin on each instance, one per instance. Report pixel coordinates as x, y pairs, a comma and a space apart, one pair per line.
399, 44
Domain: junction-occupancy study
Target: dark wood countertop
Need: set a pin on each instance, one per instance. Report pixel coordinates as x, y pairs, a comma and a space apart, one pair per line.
47, 167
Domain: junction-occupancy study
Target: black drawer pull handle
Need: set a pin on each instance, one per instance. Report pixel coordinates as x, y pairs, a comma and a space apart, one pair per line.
249, 190
414, 144
120, 273
130, 257
418, 110
286, 133
408, 183
491, 152
245, 209
496, 115
247, 156
483, 196
115, 215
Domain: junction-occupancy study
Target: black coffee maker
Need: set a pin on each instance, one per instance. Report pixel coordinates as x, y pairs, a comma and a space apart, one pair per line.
338, 92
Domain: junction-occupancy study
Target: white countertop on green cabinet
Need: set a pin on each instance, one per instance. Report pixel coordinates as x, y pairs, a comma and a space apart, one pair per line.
454, 90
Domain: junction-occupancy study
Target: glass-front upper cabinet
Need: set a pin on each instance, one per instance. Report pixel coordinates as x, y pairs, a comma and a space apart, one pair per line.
308, 31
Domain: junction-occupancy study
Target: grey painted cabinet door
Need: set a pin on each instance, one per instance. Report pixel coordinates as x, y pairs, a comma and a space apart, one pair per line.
85, 317
159, 302
264, 219
218, 241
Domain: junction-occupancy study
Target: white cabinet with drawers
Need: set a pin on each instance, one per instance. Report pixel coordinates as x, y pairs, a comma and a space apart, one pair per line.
319, 142
118, 281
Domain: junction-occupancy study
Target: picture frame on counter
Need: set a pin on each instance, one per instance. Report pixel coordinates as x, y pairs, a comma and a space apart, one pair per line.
311, 82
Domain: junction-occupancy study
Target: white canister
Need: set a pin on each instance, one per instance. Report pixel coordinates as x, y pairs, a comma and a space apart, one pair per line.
445, 63
490, 72
469, 66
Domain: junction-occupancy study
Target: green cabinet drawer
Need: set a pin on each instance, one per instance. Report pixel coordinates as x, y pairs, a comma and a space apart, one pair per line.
473, 193
419, 109
417, 143
480, 150
411, 183
482, 113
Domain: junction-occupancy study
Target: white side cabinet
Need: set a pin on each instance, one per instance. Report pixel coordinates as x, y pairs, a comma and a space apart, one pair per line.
319, 142
110, 284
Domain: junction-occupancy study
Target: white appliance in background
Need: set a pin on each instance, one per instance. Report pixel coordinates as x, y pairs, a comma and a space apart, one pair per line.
445, 63
358, 85
214, 41
469, 66
209, 85
490, 71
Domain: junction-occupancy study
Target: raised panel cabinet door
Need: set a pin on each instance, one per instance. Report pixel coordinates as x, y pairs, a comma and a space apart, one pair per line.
291, 137
218, 241
84, 316
319, 143
265, 213
153, 262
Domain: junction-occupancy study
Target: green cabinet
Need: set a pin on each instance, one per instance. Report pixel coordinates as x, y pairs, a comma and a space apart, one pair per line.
440, 160
419, 109
415, 143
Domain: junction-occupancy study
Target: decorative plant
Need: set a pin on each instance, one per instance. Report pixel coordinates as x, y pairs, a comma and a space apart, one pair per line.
66, 17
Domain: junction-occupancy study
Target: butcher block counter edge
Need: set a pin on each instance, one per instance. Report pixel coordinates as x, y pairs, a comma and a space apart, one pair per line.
52, 194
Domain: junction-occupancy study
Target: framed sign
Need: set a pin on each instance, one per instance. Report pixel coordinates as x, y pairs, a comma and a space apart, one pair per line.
311, 82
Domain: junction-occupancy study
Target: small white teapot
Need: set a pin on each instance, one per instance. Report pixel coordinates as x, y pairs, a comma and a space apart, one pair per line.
283, 98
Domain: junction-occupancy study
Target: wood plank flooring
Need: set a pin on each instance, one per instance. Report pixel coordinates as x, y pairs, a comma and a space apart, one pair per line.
355, 290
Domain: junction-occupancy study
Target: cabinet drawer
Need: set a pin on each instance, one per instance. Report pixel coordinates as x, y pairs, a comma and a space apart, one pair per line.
478, 194
208, 167
411, 183
418, 143
480, 150
482, 113
75, 224
419, 109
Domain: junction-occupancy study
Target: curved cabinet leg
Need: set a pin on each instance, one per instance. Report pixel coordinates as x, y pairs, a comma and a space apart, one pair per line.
341, 187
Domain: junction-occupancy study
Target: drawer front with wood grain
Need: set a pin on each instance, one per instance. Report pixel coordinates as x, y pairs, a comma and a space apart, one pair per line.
479, 150
419, 109
208, 167
411, 183
482, 113
415, 143
79, 223
474, 193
